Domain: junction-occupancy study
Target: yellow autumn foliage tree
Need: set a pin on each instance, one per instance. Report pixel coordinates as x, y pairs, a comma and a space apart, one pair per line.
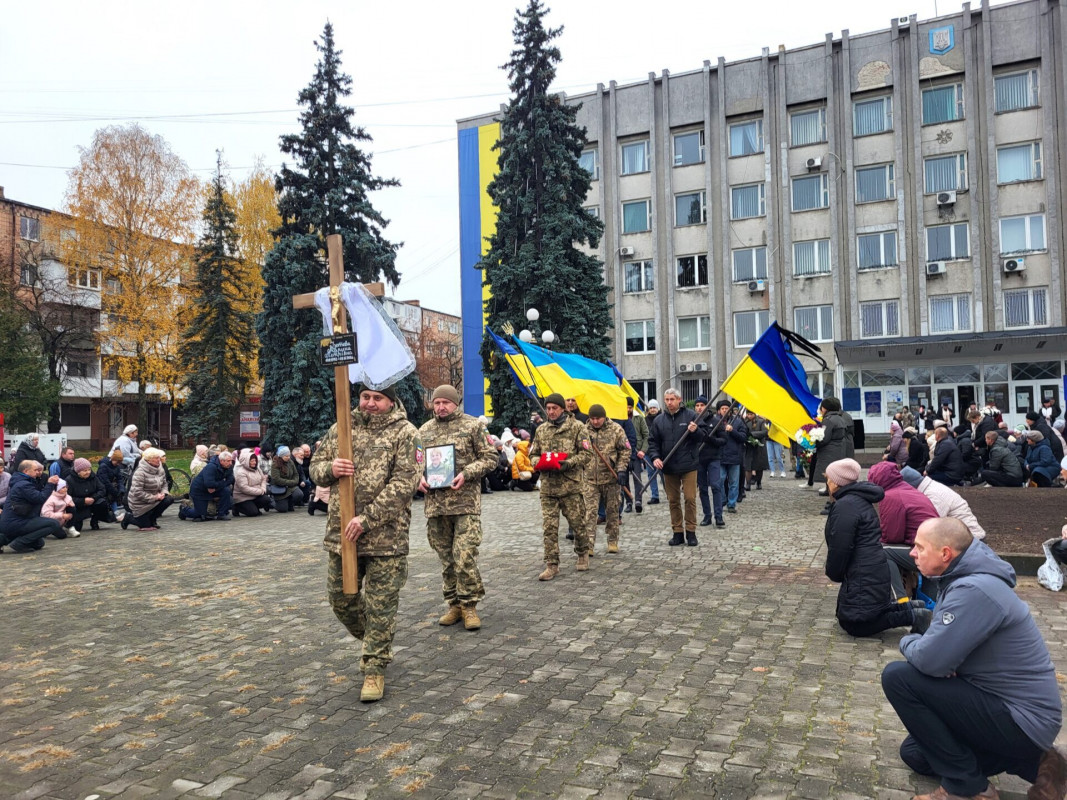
256, 202
134, 206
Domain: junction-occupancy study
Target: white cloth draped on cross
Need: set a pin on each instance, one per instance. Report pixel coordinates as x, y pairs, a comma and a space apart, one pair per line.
384, 355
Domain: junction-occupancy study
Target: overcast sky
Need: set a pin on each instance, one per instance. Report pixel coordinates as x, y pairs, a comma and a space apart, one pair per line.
225, 75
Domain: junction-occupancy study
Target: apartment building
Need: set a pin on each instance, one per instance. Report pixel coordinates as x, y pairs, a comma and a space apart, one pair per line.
895, 197
433, 336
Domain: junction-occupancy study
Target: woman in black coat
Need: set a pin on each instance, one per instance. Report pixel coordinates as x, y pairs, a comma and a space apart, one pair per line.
89, 496
855, 559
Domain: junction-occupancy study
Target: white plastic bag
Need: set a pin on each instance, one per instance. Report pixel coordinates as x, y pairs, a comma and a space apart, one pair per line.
1050, 574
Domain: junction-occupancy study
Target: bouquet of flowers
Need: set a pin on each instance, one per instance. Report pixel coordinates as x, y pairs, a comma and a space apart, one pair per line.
808, 436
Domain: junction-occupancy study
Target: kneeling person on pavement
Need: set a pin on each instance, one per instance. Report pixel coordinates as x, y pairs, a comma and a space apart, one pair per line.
454, 512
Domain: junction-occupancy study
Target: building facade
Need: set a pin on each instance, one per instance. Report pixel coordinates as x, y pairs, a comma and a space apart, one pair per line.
895, 197
434, 338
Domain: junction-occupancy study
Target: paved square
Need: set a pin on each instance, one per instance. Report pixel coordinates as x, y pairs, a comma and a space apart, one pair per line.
203, 661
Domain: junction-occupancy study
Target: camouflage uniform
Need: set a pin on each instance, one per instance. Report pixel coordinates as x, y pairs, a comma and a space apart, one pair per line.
388, 460
602, 483
562, 491
454, 517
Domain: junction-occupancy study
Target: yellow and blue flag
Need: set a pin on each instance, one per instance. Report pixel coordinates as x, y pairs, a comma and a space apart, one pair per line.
540, 372
771, 382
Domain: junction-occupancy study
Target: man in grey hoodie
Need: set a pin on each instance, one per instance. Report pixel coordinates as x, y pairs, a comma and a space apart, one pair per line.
978, 691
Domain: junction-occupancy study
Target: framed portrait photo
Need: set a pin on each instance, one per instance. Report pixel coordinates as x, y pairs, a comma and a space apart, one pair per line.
440, 466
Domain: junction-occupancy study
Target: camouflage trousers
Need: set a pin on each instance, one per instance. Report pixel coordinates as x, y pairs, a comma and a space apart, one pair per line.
371, 614
609, 493
456, 538
572, 506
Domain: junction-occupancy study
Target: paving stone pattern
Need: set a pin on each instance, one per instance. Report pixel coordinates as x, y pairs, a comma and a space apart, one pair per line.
203, 661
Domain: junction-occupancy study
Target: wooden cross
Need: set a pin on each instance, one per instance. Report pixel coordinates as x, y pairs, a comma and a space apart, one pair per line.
343, 400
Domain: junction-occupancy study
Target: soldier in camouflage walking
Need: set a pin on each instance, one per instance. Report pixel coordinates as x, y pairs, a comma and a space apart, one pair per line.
560, 452
601, 482
387, 462
454, 513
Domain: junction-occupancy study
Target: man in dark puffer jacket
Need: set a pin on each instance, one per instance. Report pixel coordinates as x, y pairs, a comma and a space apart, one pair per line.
854, 557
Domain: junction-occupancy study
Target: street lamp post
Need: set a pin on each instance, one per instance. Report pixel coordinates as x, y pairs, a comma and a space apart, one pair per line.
527, 336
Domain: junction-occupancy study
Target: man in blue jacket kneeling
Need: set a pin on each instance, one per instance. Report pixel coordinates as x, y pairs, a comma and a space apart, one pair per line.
978, 691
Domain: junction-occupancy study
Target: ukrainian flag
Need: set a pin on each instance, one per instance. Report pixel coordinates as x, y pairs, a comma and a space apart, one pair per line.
771, 382
540, 372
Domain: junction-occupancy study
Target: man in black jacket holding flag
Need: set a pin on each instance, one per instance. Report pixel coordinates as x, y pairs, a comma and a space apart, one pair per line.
677, 425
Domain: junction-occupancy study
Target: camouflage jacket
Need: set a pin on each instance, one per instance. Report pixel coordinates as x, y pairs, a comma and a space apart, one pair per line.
475, 458
567, 437
612, 443
388, 456
641, 426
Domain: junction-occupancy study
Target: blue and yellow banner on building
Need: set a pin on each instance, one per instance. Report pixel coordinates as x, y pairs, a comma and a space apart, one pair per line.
477, 222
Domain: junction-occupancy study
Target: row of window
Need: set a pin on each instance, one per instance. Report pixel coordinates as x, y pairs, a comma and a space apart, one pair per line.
873, 251
1023, 308
1015, 163
1012, 92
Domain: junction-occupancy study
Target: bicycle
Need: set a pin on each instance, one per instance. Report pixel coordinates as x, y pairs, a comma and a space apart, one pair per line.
178, 483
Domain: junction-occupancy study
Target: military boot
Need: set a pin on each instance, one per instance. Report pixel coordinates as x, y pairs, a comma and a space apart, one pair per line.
470, 618
583, 562
613, 547
454, 615
551, 571
373, 689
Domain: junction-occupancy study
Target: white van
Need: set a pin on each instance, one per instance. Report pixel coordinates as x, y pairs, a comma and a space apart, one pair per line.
51, 444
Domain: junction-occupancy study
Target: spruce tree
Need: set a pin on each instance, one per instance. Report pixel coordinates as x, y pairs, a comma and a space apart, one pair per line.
325, 191
218, 334
533, 259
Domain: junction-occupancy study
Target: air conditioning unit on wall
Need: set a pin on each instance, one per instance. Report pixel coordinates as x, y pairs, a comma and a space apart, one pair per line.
685, 368
936, 268
813, 163
946, 198
1014, 265
757, 286
700, 366
626, 251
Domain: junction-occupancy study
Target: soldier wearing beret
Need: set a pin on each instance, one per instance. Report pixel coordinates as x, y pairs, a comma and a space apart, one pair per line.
560, 452
454, 512
387, 462
602, 480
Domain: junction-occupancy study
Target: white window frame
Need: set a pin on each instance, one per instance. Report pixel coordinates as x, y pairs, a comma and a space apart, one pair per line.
824, 191
883, 259
888, 181
821, 125
761, 188
1036, 306
648, 215
648, 331
820, 250
622, 157
755, 259
594, 174
961, 173
820, 314
961, 111
762, 320
884, 331
703, 208
759, 134
646, 273
593, 211
703, 332
29, 229
887, 114
88, 279
1033, 89
700, 134
697, 269
959, 301
1036, 172
1028, 226
952, 239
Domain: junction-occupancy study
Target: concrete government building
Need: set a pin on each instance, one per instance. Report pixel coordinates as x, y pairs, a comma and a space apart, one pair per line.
896, 197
